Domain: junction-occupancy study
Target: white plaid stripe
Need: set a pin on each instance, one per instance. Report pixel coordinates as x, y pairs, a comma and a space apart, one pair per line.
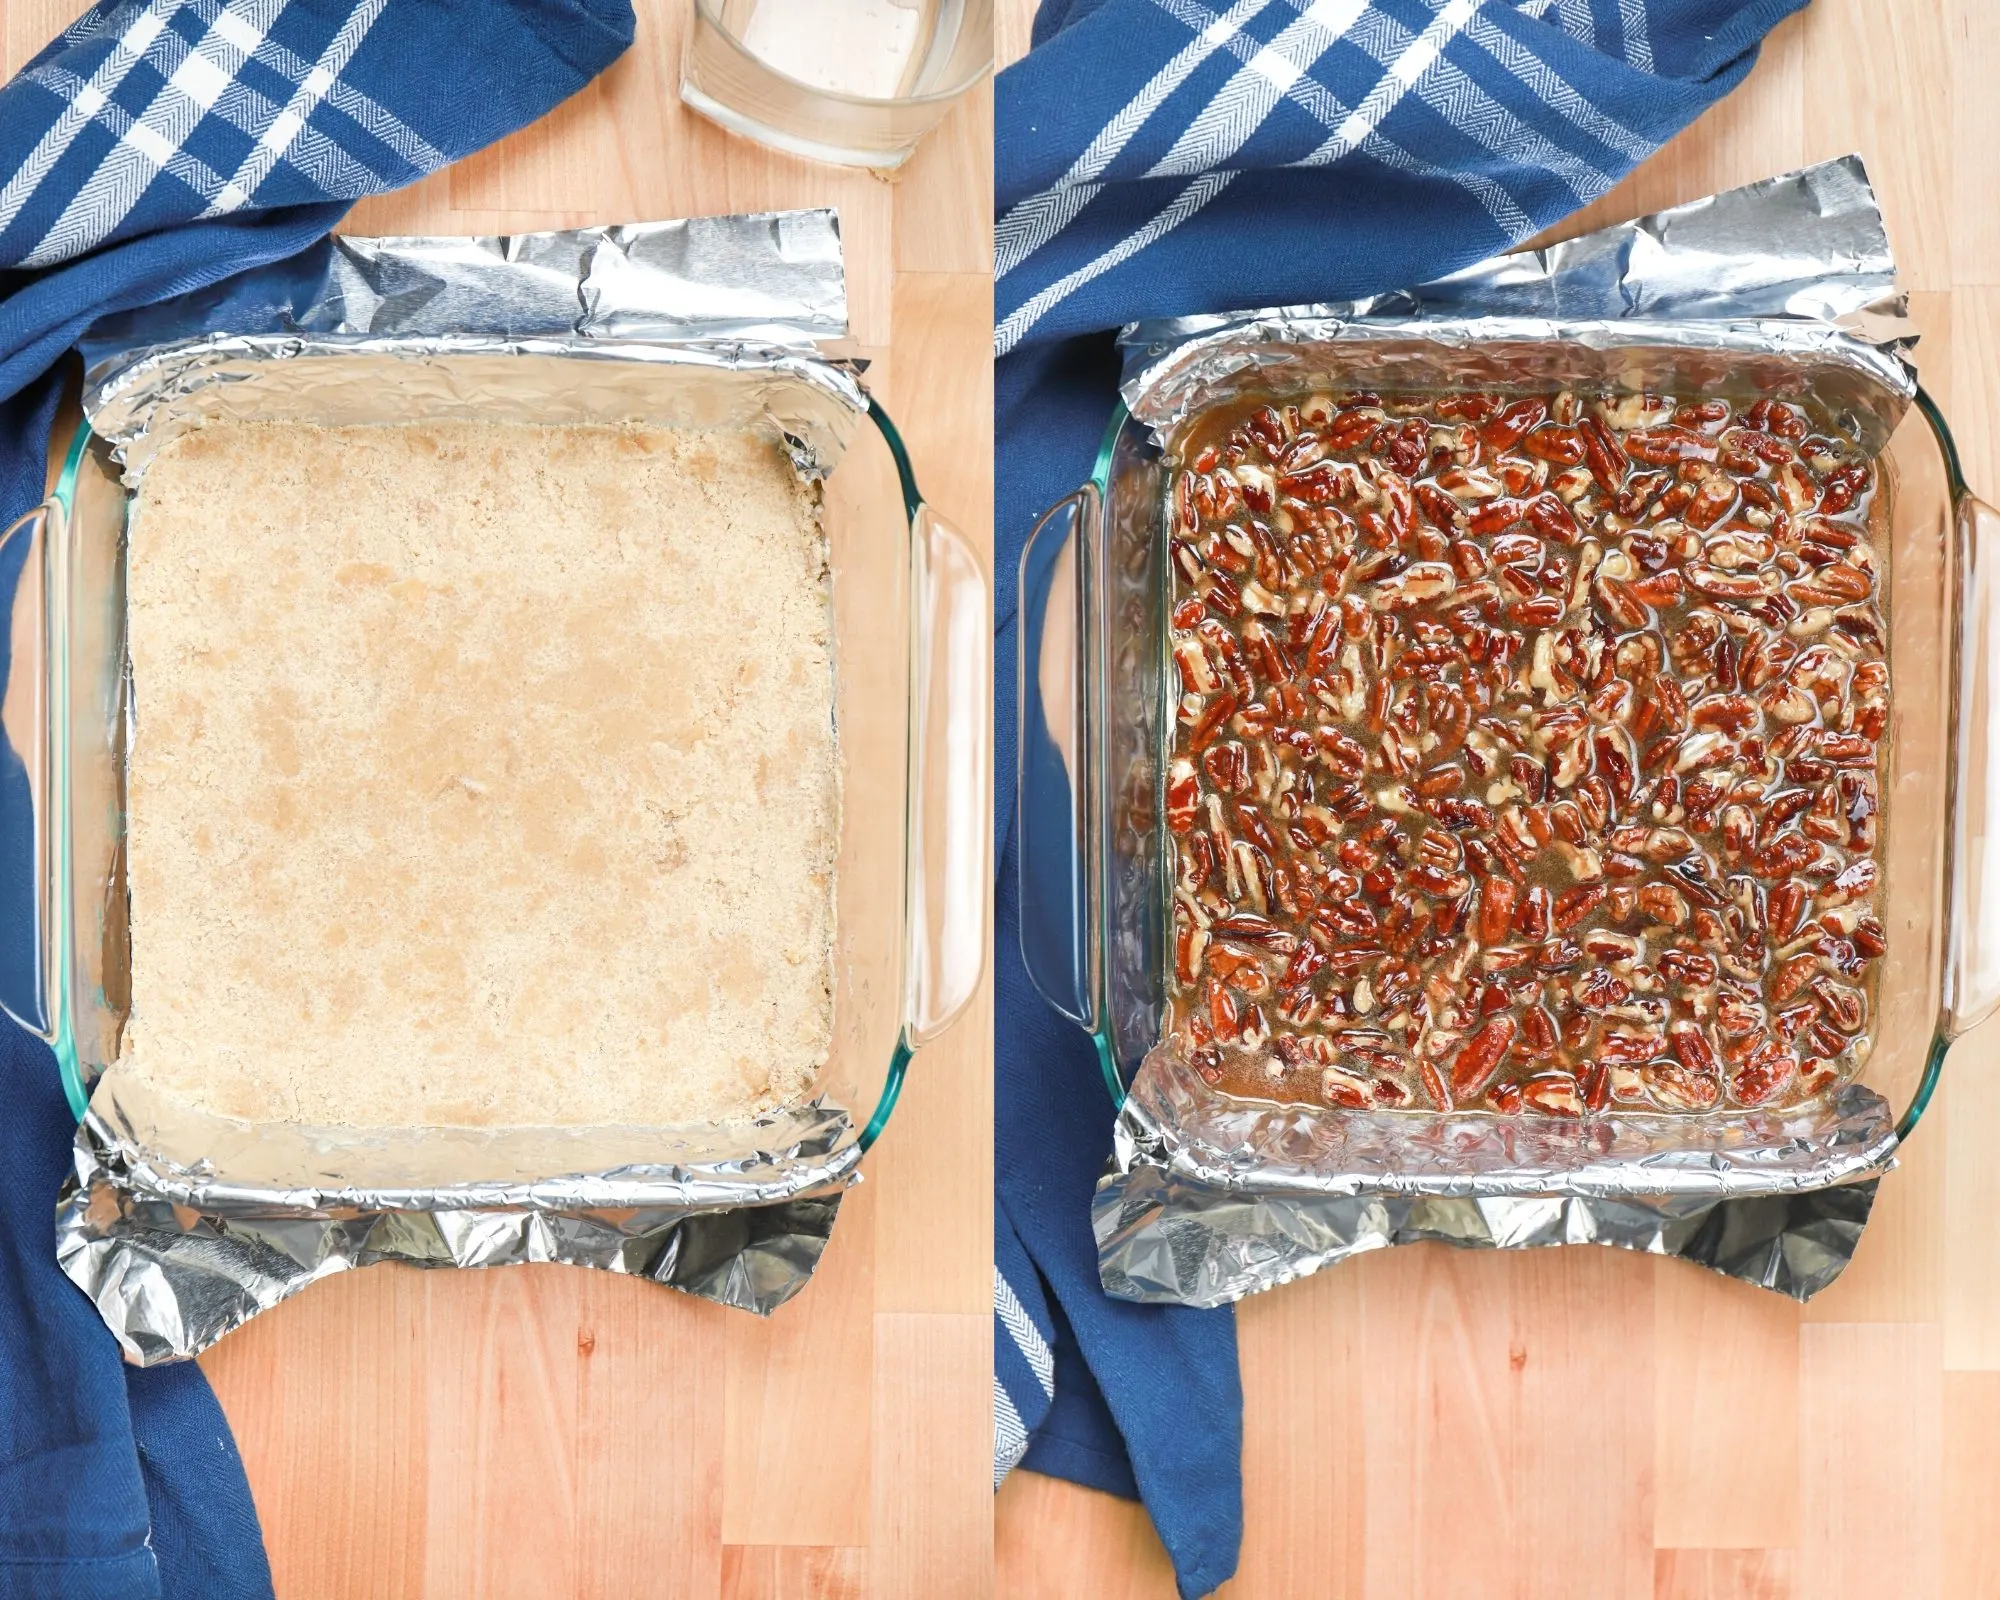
1412, 64
135, 38
1462, 102
1402, 71
196, 77
1313, 97
1575, 20
1554, 91
284, 129
249, 111
1453, 95
384, 125
1638, 45
372, 118
1022, 1330
93, 23
1493, 197
202, 82
1185, 204
321, 159
1031, 223
1229, 121
1010, 1434
191, 170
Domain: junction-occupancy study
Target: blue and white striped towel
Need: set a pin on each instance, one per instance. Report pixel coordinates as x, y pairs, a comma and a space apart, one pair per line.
154, 149
1162, 157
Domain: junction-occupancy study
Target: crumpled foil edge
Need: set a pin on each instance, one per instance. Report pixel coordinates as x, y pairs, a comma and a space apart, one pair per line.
1171, 1119
175, 1254
724, 312
1163, 1239
1206, 1201
142, 403
1796, 266
774, 277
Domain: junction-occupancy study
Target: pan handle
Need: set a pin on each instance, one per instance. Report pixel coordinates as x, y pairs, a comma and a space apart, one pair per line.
30, 975
1972, 775
1972, 930
951, 823
1058, 801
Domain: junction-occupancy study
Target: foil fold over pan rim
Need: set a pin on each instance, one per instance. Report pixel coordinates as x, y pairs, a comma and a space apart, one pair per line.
174, 1255
169, 1287
1170, 1121
1165, 1240
170, 1277
773, 277
177, 1252
780, 1155
1796, 265
1174, 387
1206, 1201
124, 397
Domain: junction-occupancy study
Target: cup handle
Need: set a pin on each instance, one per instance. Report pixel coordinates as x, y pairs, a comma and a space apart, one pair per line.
28, 987
951, 756
1054, 813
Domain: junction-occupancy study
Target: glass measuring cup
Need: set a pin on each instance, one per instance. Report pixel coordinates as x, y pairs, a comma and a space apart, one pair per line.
855, 82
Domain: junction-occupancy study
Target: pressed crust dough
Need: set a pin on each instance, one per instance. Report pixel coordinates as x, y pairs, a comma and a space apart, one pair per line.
484, 775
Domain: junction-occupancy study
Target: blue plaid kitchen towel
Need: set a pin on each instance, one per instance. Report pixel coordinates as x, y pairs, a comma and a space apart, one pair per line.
1164, 157
156, 148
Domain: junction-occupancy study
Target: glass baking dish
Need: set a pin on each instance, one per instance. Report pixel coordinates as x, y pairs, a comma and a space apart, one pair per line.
1095, 716
912, 628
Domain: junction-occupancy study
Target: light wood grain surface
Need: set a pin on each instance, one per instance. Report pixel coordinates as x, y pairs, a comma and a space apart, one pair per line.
535, 1433
1583, 1423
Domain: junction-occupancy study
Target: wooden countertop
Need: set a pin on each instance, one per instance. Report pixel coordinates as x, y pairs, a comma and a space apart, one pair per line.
1583, 1424
545, 1432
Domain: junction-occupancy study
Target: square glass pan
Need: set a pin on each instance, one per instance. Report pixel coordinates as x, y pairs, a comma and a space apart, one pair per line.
912, 629
1096, 710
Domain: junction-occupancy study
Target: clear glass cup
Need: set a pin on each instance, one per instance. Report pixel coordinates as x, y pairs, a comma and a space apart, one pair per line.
855, 82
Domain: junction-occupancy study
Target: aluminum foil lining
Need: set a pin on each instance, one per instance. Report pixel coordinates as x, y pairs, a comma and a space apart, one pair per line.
1166, 1240
174, 1255
1782, 287
772, 278
811, 406
1779, 287
180, 1224
474, 327
1173, 1120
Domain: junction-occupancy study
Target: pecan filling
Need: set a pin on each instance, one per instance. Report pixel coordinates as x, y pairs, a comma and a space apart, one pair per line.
1528, 752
